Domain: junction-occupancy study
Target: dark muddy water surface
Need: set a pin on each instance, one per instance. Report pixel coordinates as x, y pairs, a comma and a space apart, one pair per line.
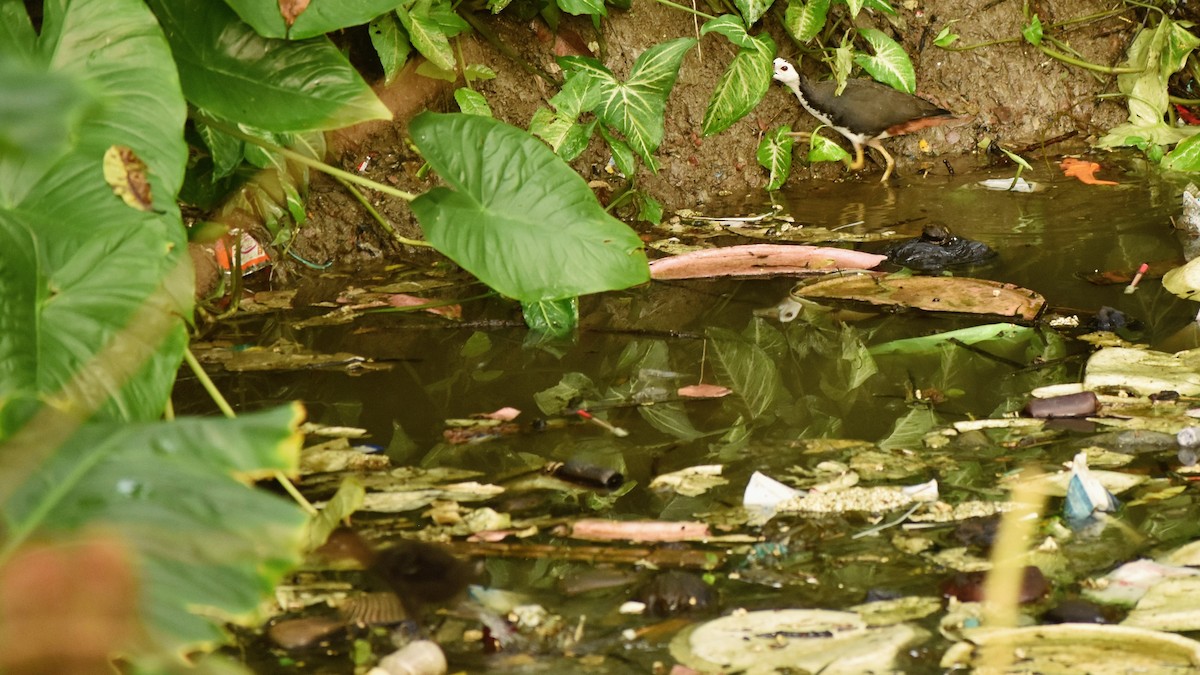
633, 341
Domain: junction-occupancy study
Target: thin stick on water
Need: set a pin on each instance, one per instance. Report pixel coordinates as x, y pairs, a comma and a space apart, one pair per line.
614, 430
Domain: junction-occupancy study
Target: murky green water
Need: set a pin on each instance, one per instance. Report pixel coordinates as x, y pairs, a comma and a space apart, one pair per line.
812, 384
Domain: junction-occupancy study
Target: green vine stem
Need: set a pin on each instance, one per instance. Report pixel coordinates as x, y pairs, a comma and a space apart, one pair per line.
379, 218
227, 410
685, 8
304, 159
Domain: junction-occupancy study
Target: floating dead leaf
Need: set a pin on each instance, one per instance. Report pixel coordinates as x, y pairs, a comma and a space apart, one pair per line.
1144, 371
1073, 648
962, 295
1084, 170
802, 640
291, 10
704, 391
692, 481
761, 260
125, 173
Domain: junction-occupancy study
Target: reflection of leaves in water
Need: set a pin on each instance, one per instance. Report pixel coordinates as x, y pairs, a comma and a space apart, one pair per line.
670, 418
745, 367
910, 429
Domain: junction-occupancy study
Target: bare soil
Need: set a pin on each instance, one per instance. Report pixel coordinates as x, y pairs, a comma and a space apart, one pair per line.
1017, 96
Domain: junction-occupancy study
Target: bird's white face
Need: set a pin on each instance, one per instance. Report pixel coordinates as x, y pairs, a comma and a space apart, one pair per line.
785, 72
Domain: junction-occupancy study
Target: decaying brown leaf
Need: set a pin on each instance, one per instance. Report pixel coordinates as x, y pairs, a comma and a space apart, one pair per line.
935, 294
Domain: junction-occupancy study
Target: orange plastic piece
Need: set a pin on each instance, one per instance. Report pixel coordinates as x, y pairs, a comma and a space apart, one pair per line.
1084, 171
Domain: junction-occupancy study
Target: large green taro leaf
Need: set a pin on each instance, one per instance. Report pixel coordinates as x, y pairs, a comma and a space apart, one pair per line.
80, 267
316, 19
209, 545
275, 85
519, 218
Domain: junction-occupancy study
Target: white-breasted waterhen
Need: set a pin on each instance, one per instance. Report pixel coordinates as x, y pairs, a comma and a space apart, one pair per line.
866, 112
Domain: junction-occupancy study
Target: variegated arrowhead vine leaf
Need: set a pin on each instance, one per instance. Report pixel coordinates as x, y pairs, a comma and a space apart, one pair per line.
731, 27
635, 107
890, 65
426, 35
804, 20
775, 155
741, 86
752, 10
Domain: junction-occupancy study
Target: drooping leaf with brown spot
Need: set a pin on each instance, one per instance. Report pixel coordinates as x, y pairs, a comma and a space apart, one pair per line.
125, 173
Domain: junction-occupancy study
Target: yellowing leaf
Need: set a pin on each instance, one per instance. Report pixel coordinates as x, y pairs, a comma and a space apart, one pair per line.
125, 173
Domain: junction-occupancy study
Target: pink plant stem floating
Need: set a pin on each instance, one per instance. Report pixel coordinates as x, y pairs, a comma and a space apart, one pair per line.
761, 260
598, 529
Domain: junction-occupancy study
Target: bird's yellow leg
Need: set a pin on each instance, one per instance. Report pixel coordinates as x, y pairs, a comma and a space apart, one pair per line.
887, 158
859, 158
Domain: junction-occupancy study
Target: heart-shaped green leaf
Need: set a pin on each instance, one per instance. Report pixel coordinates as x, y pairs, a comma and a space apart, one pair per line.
275, 85
890, 65
519, 218
775, 155
741, 87
731, 27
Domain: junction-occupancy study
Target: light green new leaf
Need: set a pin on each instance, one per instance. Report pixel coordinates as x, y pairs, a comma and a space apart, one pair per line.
519, 218
583, 7
855, 6
746, 369
478, 71
1032, 32
318, 18
1157, 53
636, 107
472, 102
821, 149
741, 86
945, 38
391, 44
804, 20
210, 546
731, 27
775, 155
427, 35
752, 10
275, 85
1185, 156
890, 64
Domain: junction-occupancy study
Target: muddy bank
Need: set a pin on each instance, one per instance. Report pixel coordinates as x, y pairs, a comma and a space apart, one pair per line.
1017, 96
